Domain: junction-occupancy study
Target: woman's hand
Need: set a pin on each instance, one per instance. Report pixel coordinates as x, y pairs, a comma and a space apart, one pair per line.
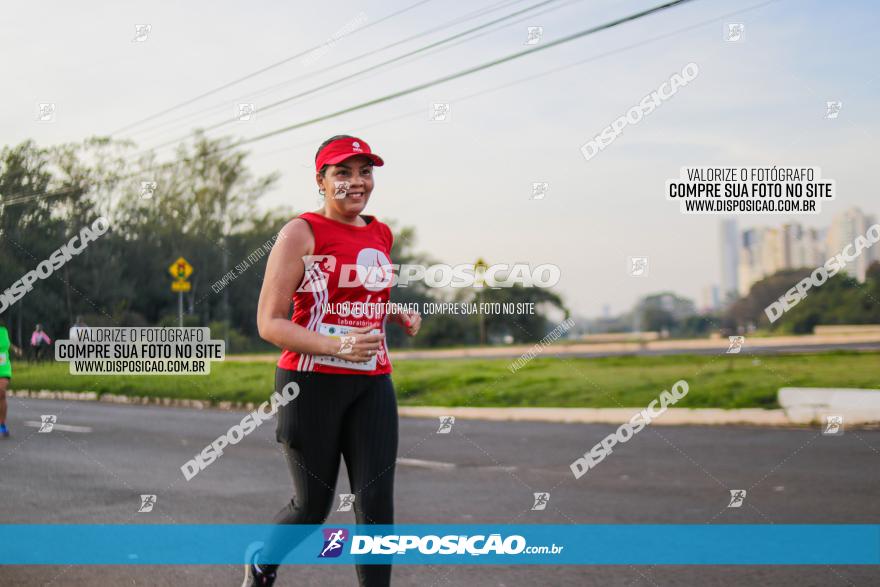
411, 321
358, 345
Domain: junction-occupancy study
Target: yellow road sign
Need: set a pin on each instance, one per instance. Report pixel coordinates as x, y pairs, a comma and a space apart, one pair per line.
181, 285
180, 269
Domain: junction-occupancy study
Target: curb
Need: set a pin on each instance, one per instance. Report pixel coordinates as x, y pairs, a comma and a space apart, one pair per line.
855, 406
615, 416
672, 417
140, 400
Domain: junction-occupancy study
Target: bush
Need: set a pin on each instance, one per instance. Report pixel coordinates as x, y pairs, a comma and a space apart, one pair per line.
171, 320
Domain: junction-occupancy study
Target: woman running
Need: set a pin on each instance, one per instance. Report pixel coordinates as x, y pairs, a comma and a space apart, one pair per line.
334, 265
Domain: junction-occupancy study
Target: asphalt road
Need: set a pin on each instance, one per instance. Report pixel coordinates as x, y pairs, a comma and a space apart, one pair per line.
93, 467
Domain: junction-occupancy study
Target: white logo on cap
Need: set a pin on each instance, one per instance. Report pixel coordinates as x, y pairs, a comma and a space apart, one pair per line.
356, 146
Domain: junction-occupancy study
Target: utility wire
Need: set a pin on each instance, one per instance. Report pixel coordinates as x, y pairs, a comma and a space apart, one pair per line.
264, 69
269, 89
364, 71
460, 74
522, 80
395, 95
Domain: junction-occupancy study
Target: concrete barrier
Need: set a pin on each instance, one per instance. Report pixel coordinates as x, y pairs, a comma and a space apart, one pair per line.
803, 405
616, 416
838, 329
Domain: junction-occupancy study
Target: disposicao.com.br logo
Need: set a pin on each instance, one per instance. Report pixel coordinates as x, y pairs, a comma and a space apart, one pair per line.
334, 540
451, 544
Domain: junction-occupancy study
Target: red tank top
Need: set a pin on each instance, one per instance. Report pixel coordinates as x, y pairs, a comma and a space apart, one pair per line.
347, 283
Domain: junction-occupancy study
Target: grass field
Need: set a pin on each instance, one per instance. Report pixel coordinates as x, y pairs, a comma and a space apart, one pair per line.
724, 381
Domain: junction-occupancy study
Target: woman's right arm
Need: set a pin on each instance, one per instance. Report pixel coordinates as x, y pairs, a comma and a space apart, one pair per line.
284, 272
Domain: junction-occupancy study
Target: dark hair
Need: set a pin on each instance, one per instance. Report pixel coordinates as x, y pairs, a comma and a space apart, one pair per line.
324, 144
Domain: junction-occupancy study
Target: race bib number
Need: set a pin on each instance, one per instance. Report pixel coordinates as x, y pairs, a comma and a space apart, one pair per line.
338, 330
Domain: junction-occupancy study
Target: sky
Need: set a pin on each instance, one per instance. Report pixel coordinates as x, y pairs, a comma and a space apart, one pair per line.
465, 184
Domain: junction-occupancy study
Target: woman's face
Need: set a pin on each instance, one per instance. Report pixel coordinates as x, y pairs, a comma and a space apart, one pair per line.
348, 185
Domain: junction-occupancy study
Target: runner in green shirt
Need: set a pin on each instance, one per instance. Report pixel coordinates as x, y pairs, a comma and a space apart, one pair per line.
5, 377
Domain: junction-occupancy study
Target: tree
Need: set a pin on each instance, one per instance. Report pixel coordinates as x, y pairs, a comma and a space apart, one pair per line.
29, 231
839, 300
202, 209
523, 327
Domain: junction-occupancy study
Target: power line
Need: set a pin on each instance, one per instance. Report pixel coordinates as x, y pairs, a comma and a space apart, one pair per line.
263, 70
395, 95
462, 41
437, 50
421, 111
362, 72
264, 90
460, 74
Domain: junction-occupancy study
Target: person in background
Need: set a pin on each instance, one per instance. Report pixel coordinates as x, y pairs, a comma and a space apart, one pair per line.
39, 341
5, 375
78, 325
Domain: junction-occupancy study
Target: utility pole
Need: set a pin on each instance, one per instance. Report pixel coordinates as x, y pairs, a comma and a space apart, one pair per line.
180, 270
226, 319
479, 269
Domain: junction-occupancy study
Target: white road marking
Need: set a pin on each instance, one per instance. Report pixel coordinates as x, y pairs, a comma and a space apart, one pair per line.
426, 464
62, 427
446, 466
505, 468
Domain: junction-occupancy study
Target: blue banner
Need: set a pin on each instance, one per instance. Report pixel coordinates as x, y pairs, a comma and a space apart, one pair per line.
527, 544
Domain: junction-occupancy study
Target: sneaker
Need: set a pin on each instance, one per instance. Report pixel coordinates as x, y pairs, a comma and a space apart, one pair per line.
4, 431
253, 576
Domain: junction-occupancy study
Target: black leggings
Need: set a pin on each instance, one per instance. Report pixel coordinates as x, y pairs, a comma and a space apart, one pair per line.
353, 416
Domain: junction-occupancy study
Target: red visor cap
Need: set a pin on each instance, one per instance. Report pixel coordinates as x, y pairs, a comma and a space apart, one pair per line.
342, 149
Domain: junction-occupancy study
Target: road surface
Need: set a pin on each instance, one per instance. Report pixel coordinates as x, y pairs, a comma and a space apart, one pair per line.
101, 457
